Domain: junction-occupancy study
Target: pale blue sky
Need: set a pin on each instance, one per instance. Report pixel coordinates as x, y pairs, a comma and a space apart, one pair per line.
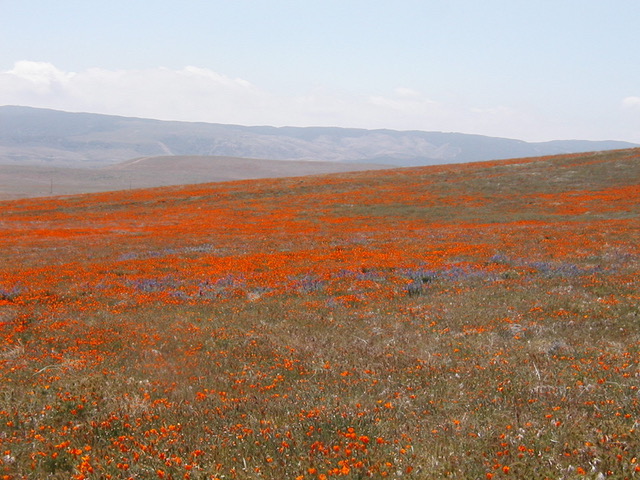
534, 70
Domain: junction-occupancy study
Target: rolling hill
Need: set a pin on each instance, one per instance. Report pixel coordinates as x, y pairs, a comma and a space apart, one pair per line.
22, 181
475, 320
31, 136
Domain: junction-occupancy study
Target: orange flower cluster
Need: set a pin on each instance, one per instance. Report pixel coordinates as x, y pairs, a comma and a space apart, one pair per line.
475, 321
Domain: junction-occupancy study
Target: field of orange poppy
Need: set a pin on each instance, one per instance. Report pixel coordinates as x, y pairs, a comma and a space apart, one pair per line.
465, 321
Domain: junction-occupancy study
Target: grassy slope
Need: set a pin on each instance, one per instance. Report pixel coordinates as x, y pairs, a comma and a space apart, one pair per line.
472, 321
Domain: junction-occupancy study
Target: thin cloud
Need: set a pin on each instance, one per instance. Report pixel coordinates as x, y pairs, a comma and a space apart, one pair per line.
32, 81
405, 100
40, 73
631, 102
188, 94
200, 94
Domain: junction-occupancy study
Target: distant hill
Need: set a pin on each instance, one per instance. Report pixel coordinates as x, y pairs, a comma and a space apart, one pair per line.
33, 136
20, 181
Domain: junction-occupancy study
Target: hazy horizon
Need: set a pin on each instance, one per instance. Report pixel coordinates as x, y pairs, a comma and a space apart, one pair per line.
510, 69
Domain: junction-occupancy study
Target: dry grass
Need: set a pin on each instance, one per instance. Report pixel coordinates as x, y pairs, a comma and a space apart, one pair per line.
29, 181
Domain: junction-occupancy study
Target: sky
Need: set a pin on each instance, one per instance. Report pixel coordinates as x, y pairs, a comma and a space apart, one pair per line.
534, 70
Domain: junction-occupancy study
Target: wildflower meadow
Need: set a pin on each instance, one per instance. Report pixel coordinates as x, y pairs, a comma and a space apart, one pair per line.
473, 321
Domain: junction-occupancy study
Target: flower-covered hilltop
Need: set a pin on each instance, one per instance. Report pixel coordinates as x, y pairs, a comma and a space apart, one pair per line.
474, 321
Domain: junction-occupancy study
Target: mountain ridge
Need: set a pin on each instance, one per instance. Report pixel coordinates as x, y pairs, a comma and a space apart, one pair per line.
34, 136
